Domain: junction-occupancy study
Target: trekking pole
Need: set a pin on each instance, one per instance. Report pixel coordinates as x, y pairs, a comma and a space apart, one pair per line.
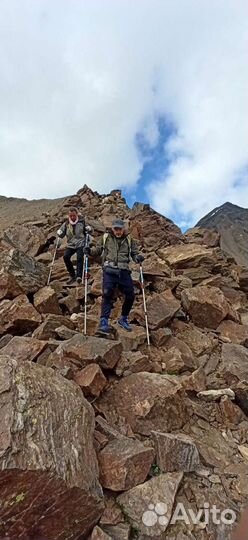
85, 277
53, 261
144, 304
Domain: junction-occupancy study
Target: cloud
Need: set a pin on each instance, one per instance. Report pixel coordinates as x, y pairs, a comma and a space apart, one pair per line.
80, 80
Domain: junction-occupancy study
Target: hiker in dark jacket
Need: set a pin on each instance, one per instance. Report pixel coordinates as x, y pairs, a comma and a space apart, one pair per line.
75, 230
117, 249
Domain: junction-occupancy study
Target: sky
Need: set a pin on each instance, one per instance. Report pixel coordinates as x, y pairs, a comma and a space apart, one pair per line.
150, 96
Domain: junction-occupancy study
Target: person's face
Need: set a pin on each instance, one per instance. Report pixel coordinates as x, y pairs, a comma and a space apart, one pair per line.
118, 231
73, 216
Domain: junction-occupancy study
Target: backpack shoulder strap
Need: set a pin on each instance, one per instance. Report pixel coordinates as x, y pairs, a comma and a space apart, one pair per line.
105, 237
129, 240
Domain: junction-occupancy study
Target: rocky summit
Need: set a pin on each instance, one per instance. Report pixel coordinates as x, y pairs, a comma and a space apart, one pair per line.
231, 223
114, 439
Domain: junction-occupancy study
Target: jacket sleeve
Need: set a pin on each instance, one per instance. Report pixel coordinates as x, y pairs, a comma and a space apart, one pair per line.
134, 250
62, 230
96, 250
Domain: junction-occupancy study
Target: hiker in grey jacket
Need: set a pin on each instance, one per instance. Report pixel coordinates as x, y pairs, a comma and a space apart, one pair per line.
75, 230
117, 249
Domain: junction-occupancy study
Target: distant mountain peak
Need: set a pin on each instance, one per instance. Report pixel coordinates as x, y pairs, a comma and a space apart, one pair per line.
231, 221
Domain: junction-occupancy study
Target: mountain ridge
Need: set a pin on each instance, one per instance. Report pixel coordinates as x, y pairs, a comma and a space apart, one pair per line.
231, 221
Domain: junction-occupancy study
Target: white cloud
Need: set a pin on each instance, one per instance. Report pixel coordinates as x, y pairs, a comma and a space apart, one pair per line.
80, 78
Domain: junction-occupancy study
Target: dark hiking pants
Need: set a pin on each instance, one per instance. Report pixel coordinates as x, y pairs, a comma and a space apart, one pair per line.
80, 258
111, 282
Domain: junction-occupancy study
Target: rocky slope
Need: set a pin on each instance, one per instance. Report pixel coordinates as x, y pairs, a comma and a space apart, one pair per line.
231, 222
104, 439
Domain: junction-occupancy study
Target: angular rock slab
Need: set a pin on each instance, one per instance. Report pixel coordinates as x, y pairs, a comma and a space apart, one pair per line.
207, 306
147, 401
149, 506
46, 301
124, 463
234, 363
48, 328
9, 287
131, 340
24, 348
99, 534
175, 452
28, 238
48, 471
81, 351
91, 380
18, 316
161, 308
235, 333
187, 256
29, 274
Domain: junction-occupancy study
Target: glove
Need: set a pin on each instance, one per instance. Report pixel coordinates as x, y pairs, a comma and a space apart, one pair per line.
139, 258
59, 232
86, 251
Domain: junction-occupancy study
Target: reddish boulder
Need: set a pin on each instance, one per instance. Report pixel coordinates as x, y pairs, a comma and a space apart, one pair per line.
124, 463
161, 308
24, 348
46, 448
46, 301
29, 274
187, 256
207, 306
147, 401
80, 351
9, 288
175, 452
233, 332
144, 503
18, 316
91, 380
47, 330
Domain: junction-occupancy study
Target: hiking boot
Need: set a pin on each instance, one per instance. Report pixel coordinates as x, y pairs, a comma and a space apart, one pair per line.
71, 281
123, 322
104, 326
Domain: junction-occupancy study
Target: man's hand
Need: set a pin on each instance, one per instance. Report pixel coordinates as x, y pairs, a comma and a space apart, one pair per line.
59, 232
88, 229
87, 250
139, 259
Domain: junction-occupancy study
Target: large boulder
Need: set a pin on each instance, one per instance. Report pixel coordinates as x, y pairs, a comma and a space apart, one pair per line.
175, 452
234, 363
29, 239
233, 332
46, 301
9, 287
124, 463
24, 348
207, 306
206, 237
149, 506
161, 308
47, 329
80, 351
91, 380
198, 341
187, 256
18, 316
29, 274
147, 401
48, 469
